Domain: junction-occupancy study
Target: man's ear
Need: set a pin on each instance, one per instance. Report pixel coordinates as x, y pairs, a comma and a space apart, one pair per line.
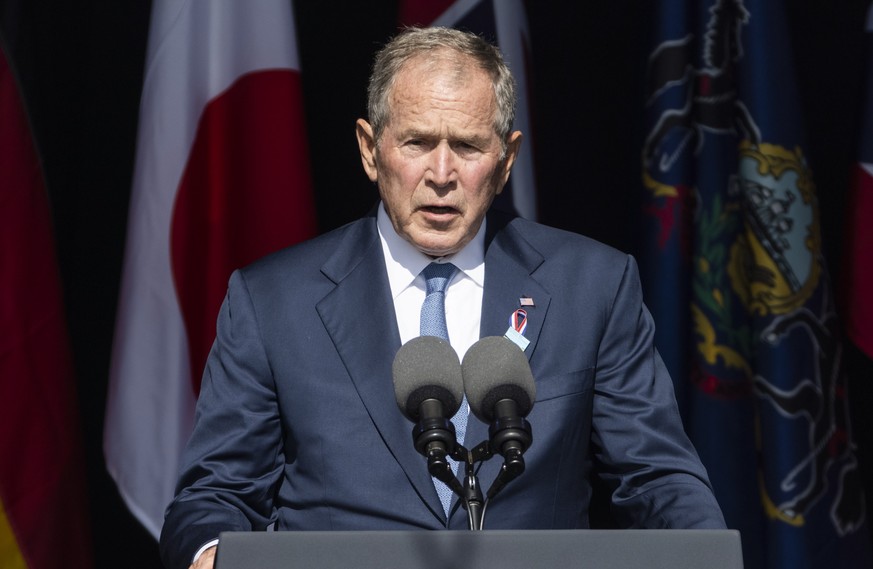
367, 147
513, 144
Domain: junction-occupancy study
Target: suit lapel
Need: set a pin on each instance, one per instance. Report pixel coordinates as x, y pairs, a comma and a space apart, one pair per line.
510, 263
359, 316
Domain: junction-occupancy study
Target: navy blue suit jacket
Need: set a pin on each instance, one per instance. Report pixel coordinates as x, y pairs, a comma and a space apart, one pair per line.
297, 423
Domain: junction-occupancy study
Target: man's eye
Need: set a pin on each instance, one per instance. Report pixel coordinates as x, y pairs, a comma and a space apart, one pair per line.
466, 148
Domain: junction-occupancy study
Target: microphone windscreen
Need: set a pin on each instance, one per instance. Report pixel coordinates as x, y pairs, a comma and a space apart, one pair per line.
427, 367
494, 368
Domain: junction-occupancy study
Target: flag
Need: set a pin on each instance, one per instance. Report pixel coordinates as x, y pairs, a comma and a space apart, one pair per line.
734, 275
43, 499
505, 23
858, 261
221, 178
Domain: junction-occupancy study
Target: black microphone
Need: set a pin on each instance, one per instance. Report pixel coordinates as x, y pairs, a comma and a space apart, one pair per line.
501, 392
429, 389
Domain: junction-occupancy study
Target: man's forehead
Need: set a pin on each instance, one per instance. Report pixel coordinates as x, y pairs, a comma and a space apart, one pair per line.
459, 123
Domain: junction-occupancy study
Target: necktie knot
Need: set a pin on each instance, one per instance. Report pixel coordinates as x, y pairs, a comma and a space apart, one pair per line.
437, 276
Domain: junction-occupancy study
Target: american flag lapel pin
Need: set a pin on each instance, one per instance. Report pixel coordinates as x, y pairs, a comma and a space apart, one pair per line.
526, 301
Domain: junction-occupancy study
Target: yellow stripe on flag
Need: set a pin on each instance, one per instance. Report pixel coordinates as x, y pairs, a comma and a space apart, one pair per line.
10, 555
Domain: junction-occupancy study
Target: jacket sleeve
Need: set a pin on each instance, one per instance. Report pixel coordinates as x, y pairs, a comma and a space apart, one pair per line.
234, 458
639, 443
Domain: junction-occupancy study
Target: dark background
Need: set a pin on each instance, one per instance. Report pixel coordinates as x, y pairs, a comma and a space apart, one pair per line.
81, 67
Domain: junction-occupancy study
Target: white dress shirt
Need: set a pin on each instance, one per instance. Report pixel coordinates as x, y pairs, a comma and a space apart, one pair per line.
404, 264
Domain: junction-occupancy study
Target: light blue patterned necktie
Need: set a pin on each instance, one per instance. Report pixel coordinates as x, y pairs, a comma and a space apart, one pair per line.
433, 323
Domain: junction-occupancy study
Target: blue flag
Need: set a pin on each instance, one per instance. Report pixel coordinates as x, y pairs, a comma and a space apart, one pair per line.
735, 278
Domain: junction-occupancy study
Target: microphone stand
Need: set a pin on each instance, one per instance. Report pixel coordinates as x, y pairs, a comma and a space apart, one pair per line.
433, 436
511, 436
470, 493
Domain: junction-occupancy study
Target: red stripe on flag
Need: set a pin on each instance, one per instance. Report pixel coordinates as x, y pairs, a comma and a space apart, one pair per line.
245, 192
422, 12
42, 484
858, 263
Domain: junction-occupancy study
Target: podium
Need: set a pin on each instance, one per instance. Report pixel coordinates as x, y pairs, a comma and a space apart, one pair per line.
488, 549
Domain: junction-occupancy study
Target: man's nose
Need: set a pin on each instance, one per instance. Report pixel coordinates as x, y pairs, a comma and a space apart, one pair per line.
442, 169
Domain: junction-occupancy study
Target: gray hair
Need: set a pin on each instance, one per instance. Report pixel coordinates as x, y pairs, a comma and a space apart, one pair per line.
412, 42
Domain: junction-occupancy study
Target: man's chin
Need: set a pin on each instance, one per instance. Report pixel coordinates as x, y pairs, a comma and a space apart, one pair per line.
437, 247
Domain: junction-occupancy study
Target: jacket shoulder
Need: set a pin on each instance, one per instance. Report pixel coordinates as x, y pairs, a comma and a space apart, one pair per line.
311, 255
553, 242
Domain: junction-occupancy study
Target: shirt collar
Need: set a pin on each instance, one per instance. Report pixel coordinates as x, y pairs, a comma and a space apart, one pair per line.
404, 262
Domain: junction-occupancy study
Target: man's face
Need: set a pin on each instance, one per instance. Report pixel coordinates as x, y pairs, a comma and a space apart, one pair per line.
438, 164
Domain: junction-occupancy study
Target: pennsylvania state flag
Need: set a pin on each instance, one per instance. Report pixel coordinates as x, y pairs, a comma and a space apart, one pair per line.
735, 279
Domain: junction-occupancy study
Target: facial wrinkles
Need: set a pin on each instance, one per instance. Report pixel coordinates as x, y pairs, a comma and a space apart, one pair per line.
435, 108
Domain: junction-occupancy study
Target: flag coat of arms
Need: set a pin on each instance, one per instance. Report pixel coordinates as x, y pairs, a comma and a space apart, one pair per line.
735, 279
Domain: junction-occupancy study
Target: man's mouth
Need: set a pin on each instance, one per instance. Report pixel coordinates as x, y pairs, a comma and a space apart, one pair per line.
439, 210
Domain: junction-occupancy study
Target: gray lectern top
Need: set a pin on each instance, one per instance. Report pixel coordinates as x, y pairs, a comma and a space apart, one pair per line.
489, 549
